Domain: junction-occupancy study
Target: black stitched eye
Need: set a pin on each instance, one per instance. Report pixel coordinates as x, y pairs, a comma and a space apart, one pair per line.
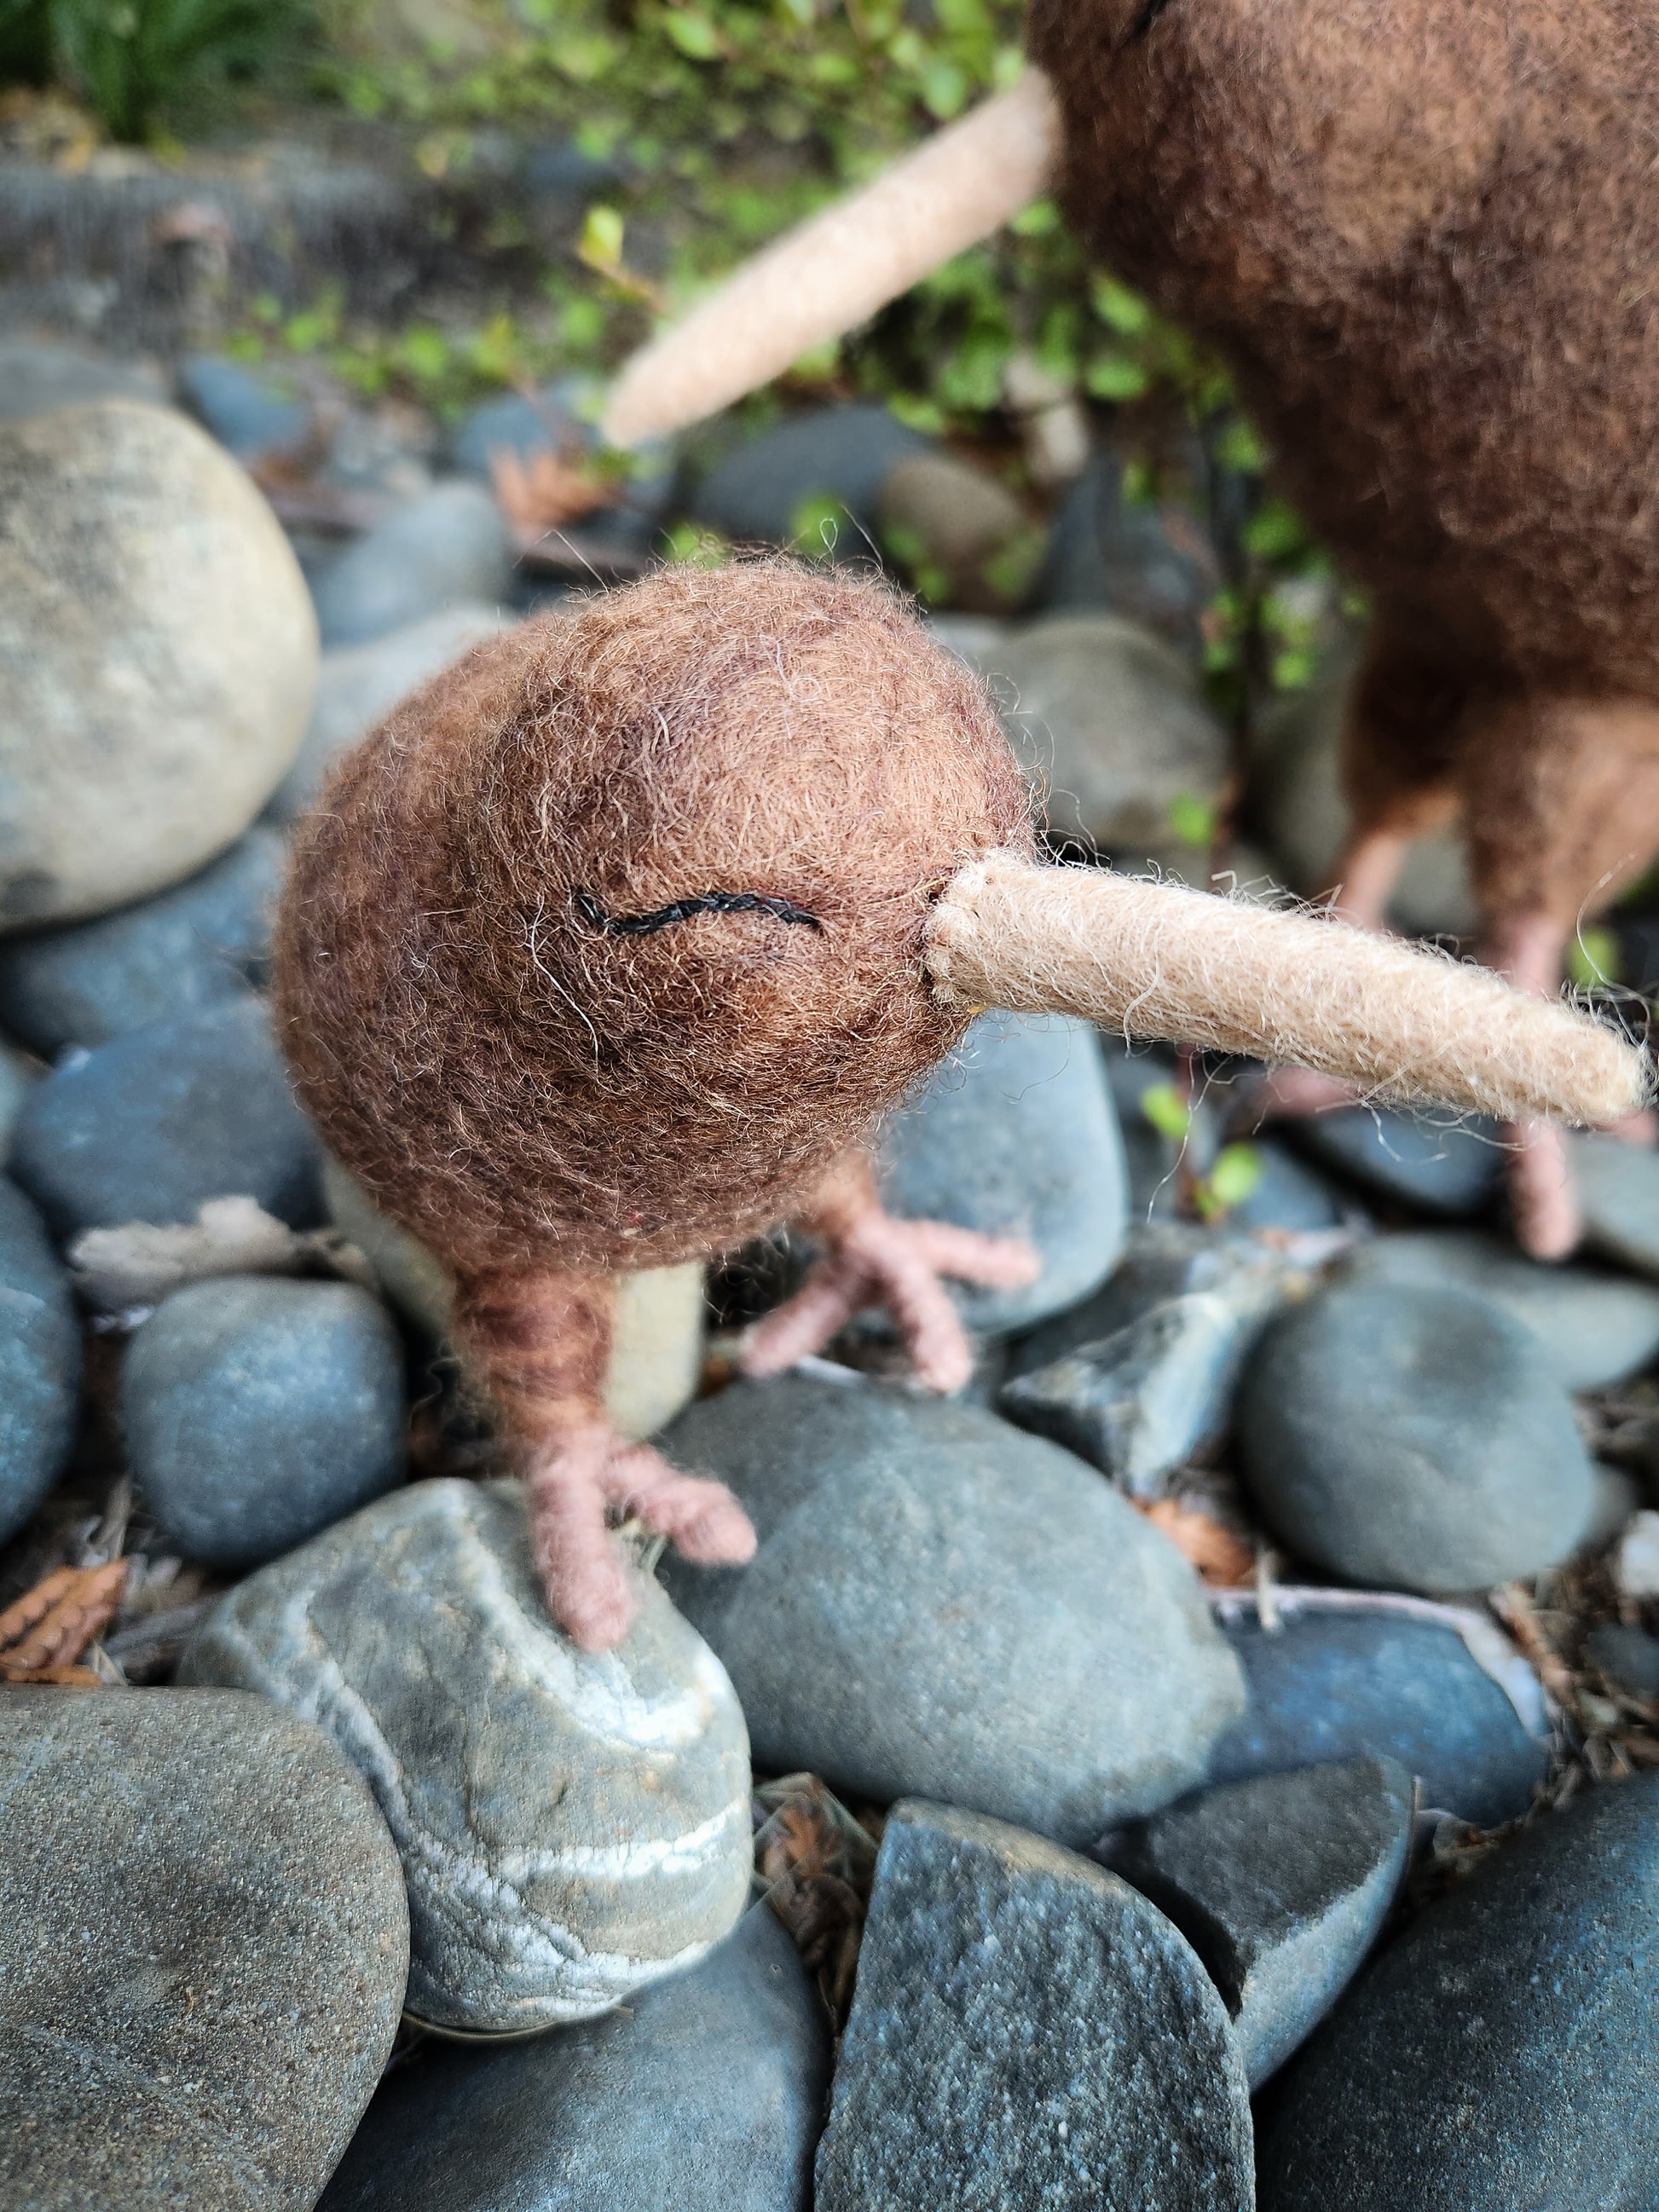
647, 925
1148, 15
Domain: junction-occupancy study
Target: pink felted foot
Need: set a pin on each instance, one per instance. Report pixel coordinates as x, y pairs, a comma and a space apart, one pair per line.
1640, 1129
569, 1486
875, 1259
1541, 1196
700, 1518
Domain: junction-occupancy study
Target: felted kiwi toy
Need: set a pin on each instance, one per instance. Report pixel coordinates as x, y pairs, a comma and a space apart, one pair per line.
1422, 235
610, 947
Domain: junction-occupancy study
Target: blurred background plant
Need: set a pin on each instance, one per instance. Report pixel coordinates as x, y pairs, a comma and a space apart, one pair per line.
143, 65
686, 133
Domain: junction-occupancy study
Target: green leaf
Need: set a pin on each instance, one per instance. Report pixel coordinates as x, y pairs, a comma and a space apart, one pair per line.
1039, 220
923, 415
1238, 1168
693, 33
1192, 818
1138, 484
817, 524
584, 56
1274, 532
1238, 448
1118, 309
1112, 376
971, 377
601, 242
1163, 1105
704, 548
1592, 959
944, 89
1012, 569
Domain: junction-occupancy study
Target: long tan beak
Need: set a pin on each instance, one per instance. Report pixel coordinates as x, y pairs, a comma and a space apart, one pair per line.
1156, 961
833, 272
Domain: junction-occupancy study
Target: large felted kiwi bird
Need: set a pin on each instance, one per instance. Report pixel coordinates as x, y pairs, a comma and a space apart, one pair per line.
610, 947
1425, 235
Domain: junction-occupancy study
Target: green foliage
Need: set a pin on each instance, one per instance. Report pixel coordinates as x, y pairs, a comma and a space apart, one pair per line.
1592, 959
1163, 1105
136, 63
1192, 819
817, 525
726, 121
1236, 1172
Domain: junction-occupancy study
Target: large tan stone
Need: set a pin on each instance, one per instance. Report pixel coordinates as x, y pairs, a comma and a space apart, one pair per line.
657, 1354
158, 656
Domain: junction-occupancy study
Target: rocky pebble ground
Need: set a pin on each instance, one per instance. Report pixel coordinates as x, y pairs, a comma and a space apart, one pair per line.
1201, 1765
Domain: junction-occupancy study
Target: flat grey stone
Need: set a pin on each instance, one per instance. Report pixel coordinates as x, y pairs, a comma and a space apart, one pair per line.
941, 1603
259, 1410
157, 657
1139, 1403
1029, 2031
1287, 1193
1108, 551
1165, 1261
1628, 1656
1350, 1682
204, 941
19, 1072
147, 1127
202, 1955
37, 377
1618, 1186
572, 1825
1593, 1327
704, 2095
40, 1362
840, 454
517, 424
1502, 2052
1111, 721
1450, 1169
1015, 1135
250, 415
357, 686
1411, 1436
1281, 1885
448, 547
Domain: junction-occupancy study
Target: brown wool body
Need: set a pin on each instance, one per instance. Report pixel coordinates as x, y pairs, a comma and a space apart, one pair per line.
610, 947
1423, 238
521, 1086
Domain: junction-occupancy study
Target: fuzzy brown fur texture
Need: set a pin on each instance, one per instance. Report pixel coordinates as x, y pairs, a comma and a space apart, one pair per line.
1424, 237
512, 1073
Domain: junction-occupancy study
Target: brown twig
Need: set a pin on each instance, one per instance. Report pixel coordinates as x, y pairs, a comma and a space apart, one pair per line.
48, 1628
1223, 1560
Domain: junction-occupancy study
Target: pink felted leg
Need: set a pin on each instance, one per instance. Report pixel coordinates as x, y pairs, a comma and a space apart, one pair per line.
1369, 870
875, 1259
1527, 948
542, 1342
1561, 796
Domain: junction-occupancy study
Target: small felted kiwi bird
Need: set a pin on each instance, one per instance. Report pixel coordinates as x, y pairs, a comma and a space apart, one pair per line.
610, 947
1425, 234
